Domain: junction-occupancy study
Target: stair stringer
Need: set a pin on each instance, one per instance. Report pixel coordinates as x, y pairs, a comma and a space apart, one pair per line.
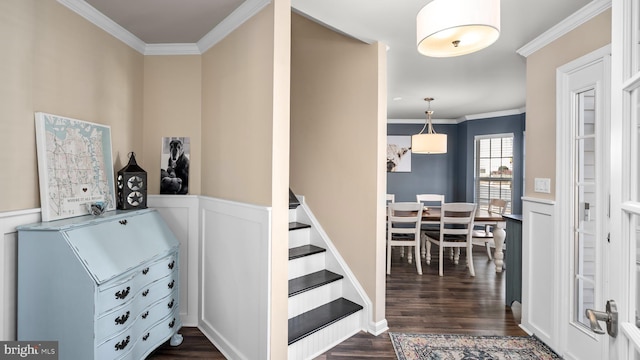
352, 290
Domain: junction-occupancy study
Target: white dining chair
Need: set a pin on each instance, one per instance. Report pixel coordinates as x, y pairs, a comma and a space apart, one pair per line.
456, 226
433, 201
391, 198
403, 229
484, 237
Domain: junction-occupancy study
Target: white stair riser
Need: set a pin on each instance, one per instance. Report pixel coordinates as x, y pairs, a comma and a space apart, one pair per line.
299, 237
314, 298
306, 265
292, 215
318, 343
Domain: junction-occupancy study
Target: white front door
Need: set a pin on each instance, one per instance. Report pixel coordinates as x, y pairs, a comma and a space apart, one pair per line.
624, 248
582, 192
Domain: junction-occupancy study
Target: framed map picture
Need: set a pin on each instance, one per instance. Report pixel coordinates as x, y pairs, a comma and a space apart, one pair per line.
75, 168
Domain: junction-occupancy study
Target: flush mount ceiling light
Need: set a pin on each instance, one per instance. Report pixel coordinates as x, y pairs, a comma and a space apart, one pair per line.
447, 28
429, 143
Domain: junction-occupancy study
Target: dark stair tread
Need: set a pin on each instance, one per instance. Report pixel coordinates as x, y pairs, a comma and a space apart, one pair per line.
304, 250
312, 281
316, 319
298, 225
293, 200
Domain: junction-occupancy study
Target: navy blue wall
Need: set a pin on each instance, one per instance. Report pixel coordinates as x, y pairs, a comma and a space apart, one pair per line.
452, 173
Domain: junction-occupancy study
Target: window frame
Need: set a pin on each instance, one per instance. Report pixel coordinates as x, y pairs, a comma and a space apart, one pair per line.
484, 203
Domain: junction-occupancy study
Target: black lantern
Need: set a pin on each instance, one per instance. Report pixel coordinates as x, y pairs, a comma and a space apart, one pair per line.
132, 186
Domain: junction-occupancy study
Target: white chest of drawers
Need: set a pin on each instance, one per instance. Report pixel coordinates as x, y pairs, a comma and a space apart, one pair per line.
104, 287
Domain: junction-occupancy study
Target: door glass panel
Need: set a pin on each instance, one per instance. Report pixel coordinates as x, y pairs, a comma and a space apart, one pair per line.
585, 208
636, 240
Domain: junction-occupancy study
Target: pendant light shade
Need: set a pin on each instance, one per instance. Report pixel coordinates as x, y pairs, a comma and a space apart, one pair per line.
431, 142
447, 28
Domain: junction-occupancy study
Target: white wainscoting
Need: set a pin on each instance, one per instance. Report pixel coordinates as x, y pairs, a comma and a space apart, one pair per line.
235, 319
540, 271
8, 268
180, 212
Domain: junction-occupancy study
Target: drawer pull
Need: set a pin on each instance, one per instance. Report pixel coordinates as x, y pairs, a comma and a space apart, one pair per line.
170, 305
123, 222
145, 337
122, 344
171, 284
172, 265
123, 293
172, 323
120, 320
145, 271
144, 316
145, 293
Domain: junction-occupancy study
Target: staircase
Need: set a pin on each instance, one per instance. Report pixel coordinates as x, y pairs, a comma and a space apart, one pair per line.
320, 317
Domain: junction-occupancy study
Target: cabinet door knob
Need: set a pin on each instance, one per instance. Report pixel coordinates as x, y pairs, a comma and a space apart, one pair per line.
145, 337
144, 316
172, 264
170, 285
145, 293
123, 222
145, 271
172, 323
170, 305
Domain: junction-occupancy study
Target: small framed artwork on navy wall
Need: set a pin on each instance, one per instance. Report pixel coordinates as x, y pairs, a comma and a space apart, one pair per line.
398, 153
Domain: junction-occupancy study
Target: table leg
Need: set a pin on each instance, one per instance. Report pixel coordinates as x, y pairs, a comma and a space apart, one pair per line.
498, 237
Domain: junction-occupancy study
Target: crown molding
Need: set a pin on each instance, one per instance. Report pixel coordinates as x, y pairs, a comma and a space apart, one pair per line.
226, 26
97, 18
243, 13
586, 13
172, 49
462, 119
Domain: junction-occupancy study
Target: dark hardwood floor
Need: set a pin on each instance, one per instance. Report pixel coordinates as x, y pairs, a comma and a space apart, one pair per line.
453, 304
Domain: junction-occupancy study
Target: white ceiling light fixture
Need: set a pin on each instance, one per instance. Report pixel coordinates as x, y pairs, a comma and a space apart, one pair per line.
447, 28
431, 142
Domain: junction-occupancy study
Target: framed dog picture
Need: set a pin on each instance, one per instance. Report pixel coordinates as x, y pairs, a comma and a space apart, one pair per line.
398, 153
174, 166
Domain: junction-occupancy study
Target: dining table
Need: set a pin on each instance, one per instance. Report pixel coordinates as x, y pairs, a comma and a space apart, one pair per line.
483, 217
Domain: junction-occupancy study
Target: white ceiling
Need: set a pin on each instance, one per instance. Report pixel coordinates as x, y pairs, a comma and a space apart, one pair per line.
491, 80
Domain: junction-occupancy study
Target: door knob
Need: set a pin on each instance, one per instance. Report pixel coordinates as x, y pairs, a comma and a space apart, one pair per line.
610, 317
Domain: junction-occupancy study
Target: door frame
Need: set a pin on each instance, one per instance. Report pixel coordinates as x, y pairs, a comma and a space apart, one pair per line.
564, 199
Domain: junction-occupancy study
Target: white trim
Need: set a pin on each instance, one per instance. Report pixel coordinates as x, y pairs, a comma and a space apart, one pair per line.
482, 116
576, 19
379, 327
219, 32
171, 49
243, 13
97, 18
537, 200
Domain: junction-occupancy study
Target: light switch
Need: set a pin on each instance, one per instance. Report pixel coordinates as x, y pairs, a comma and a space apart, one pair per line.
542, 185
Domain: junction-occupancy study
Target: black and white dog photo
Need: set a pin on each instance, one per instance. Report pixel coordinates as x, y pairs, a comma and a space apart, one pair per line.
175, 178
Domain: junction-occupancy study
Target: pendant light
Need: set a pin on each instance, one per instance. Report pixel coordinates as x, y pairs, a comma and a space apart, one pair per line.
448, 28
431, 142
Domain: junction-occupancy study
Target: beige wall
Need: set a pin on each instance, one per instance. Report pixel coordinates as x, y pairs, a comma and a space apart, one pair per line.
237, 113
541, 96
245, 134
172, 107
54, 61
336, 112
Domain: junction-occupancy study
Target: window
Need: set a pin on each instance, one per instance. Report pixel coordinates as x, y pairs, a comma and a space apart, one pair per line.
494, 169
